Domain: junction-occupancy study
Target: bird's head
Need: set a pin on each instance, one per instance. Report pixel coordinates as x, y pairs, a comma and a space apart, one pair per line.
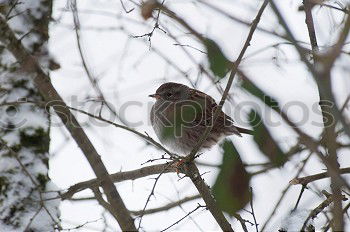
172, 92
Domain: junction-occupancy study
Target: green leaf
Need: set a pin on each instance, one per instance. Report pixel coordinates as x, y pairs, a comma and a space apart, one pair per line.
184, 117
219, 64
257, 92
265, 141
231, 188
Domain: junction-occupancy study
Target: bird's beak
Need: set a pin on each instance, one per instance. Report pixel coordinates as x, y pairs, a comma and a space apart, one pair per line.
156, 96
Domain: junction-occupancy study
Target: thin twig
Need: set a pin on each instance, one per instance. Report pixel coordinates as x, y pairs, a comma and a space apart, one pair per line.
93, 80
303, 187
146, 137
188, 214
166, 207
124, 8
252, 208
284, 193
152, 193
229, 82
32, 179
319, 208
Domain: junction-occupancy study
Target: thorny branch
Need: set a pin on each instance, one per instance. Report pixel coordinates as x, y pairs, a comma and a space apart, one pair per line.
166, 207
118, 177
192, 171
187, 215
152, 192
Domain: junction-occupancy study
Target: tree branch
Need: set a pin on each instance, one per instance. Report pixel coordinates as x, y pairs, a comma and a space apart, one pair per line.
118, 177
192, 171
144, 136
166, 207
324, 79
42, 82
187, 215
319, 208
307, 179
229, 82
310, 25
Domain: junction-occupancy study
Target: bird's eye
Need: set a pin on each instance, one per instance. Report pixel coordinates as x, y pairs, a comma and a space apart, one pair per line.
169, 94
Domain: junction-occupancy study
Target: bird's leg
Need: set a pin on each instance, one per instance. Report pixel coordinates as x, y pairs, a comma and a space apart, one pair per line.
181, 161
178, 164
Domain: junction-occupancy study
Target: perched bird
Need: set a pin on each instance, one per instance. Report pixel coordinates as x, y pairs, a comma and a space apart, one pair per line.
181, 114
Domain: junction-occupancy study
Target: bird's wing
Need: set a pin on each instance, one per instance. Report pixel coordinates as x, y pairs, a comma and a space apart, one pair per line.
223, 124
152, 115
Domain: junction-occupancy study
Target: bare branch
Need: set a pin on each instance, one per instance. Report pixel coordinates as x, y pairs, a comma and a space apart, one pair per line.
187, 215
118, 177
42, 82
152, 192
93, 80
252, 208
146, 137
345, 210
319, 208
166, 207
100, 200
310, 25
191, 170
307, 179
284, 193
234, 70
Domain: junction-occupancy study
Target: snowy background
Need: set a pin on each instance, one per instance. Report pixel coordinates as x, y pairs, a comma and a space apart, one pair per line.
129, 70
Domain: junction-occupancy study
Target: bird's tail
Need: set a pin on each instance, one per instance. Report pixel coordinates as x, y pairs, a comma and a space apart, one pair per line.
245, 131
239, 131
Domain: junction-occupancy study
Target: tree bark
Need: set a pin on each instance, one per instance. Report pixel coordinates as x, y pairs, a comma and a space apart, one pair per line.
24, 129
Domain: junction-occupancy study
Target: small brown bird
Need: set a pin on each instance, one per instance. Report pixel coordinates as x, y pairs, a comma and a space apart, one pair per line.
181, 114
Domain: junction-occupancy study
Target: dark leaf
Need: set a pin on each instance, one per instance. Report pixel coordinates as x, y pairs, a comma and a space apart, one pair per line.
231, 188
264, 140
219, 64
257, 92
